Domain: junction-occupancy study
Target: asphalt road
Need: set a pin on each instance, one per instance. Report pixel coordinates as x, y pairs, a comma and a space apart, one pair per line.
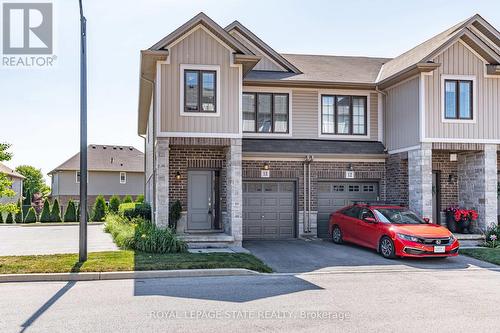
40, 239
411, 300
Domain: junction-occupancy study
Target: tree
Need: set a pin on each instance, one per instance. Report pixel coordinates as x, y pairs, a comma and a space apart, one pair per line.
30, 216
139, 198
10, 218
70, 214
27, 198
34, 181
45, 217
127, 199
55, 214
99, 209
114, 204
6, 183
19, 214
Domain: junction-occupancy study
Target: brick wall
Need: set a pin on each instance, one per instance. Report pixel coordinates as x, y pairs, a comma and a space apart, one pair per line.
397, 179
449, 189
182, 158
319, 171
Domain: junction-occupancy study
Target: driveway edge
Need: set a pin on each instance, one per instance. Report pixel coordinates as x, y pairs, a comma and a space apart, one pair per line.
125, 275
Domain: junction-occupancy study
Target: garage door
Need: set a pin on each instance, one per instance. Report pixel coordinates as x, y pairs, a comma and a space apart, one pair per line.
268, 210
334, 195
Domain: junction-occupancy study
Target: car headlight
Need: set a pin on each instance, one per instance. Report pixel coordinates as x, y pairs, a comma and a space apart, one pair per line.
452, 238
409, 238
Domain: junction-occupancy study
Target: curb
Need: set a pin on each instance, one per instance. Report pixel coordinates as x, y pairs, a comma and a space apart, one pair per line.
126, 275
47, 224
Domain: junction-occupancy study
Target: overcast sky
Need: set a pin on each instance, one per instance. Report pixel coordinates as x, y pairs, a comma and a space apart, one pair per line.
39, 109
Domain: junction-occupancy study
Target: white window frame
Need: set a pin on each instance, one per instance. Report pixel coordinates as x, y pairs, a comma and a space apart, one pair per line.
474, 110
76, 177
218, 106
122, 173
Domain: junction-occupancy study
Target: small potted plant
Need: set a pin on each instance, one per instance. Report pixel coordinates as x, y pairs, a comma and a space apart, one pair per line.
459, 219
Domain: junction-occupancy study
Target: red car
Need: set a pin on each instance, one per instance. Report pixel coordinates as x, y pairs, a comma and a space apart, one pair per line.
393, 231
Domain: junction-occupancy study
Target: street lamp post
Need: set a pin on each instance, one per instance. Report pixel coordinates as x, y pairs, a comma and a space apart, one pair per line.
83, 136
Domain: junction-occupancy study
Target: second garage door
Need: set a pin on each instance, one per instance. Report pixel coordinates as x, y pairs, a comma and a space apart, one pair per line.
268, 210
334, 195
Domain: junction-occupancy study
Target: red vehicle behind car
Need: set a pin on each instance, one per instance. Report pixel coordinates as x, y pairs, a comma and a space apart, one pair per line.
393, 231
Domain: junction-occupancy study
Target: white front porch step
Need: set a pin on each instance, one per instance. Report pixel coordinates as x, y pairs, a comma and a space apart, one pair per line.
207, 238
478, 237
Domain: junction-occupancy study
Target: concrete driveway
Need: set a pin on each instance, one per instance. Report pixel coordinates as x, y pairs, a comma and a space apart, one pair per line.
34, 240
299, 256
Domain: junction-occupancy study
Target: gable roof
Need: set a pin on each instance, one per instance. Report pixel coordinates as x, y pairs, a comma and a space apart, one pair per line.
10, 172
106, 158
325, 69
261, 45
425, 51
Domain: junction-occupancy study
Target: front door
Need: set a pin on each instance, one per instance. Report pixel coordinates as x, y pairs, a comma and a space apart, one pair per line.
200, 200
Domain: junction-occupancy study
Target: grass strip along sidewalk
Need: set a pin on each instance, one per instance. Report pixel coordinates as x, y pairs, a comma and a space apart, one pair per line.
491, 255
127, 260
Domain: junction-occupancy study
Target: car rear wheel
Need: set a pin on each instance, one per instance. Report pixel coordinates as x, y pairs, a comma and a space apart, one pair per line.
337, 235
386, 248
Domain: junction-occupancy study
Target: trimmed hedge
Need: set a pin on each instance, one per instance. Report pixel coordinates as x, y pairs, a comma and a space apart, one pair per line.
132, 210
9, 219
30, 216
55, 214
114, 204
139, 198
19, 215
45, 216
127, 199
70, 213
99, 209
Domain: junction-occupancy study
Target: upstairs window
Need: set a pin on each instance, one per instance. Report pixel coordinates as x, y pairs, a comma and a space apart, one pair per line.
265, 113
123, 178
343, 115
458, 99
200, 91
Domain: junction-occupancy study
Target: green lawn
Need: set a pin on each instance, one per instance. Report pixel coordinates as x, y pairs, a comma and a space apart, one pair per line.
483, 253
127, 261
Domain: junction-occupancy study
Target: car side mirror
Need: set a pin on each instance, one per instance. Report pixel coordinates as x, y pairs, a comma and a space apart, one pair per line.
427, 220
370, 220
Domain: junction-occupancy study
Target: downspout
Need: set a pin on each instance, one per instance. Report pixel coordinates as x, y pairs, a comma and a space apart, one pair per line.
305, 194
310, 159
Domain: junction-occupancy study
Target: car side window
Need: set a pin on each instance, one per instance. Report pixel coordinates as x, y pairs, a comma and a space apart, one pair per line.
352, 212
364, 213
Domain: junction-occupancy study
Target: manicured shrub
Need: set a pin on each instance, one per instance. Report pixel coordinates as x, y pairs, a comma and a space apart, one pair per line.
174, 215
70, 213
114, 204
30, 216
99, 209
19, 215
55, 214
78, 214
139, 198
9, 219
142, 235
132, 210
45, 216
127, 199
27, 199
1, 217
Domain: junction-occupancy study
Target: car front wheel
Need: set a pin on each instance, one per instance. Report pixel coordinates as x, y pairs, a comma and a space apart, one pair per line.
386, 248
337, 235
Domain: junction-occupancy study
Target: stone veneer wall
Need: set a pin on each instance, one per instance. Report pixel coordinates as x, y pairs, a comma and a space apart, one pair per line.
478, 181
397, 179
420, 180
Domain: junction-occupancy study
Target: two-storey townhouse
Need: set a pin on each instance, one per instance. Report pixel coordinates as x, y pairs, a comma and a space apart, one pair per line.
261, 145
112, 170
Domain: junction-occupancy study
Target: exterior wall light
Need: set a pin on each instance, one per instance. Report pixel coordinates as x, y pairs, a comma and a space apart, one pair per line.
178, 175
265, 166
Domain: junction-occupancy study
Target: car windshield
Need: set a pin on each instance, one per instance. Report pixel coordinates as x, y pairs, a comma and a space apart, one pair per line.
398, 216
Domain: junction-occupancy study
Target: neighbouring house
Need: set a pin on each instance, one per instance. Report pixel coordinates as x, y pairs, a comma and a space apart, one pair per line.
17, 184
256, 144
112, 170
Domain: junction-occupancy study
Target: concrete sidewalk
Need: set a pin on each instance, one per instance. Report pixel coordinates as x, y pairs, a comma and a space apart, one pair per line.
52, 239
